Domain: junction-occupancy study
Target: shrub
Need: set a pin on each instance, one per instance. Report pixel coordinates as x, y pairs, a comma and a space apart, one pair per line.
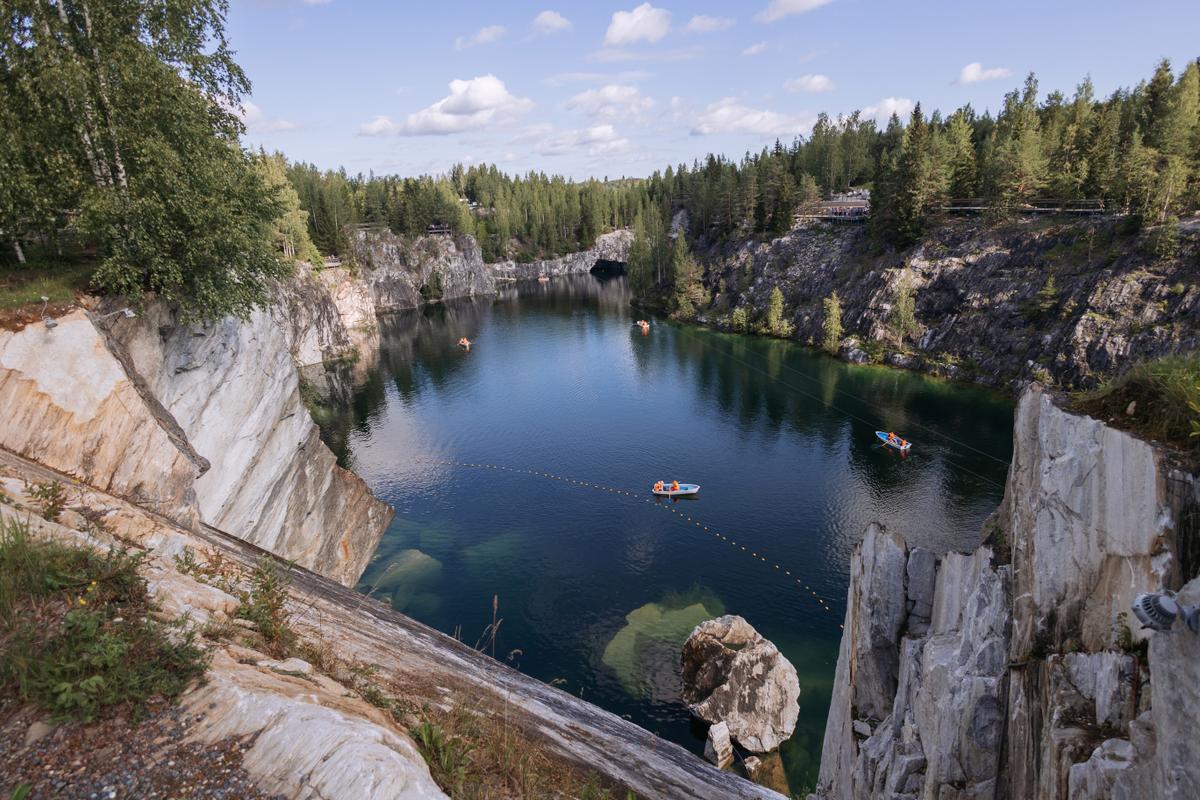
1167, 396
51, 497
831, 329
264, 604
739, 320
78, 636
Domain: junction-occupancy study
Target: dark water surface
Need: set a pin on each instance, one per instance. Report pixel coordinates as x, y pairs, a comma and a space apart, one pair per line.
597, 589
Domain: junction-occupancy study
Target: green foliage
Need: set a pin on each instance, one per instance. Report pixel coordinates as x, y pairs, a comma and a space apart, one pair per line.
51, 497
77, 636
903, 318
739, 320
774, 324
448, 756
689, 292
1165, 242
432, 289
111, 128
831, 328
264, 602
1167, 397
1045, 301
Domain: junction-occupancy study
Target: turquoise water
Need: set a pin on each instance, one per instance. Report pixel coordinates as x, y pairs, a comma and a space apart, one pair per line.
596, 588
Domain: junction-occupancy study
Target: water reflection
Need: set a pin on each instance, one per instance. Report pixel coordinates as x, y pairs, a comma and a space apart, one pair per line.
594, 586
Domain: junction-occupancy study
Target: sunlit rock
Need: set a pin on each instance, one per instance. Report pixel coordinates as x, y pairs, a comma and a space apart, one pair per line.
732, 674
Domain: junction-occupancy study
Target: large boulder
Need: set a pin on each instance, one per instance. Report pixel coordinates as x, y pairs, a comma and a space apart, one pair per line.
732, 674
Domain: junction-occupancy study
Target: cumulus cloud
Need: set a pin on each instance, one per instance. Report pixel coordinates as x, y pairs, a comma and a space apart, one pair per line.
256, 121
549, 22
974, 73
597, 140
611, 101
755, 49
471, 104
882, 111
809, 83
485, 35
643, 24
727, 115
701, 23
778, 9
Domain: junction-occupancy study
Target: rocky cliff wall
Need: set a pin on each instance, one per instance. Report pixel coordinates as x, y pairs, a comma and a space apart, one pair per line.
612, 246
976, 285
405, 273
234, 389
68, 402
1028, 680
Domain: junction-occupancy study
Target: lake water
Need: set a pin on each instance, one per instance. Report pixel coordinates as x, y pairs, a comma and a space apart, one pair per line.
597, 585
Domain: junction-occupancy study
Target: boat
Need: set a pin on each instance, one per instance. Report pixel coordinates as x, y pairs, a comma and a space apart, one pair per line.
900, 444
543, 279
643, 324
684, 490
464, 343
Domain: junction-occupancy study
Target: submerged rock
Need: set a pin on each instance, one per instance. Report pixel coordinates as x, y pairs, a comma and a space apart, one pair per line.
732, 674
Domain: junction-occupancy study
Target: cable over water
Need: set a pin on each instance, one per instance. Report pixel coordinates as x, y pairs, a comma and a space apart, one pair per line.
657, 503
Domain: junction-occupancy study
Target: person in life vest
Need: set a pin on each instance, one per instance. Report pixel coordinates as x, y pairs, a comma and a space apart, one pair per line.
891, 438
658, 487
674, 486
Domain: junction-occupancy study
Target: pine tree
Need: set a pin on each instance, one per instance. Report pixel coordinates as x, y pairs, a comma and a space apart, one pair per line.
831, 327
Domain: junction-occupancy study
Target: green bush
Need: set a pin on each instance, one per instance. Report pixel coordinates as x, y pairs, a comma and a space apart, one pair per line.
77, 633
1167, 397
264, 603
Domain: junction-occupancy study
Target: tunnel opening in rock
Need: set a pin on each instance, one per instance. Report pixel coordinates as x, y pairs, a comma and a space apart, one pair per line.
605, 267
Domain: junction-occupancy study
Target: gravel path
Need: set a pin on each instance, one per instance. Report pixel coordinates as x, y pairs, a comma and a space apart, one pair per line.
116, 759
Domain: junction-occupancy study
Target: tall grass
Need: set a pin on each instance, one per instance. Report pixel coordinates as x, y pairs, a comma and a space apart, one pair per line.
1166, 394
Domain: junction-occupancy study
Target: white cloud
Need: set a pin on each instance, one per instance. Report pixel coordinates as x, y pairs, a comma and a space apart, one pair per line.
613, 100
549, 22
755, 49
882, 111
778, 9
597, 140
974, 73
809, 83
595, 77
471, 104
256, 121
643, 24
727, 115
485, 35
702, 23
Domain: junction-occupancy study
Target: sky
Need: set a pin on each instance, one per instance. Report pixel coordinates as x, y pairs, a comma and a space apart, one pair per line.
618, 88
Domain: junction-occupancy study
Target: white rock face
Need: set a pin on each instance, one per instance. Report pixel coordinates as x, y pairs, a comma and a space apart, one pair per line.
1093, 517
733, 676
1086, 512
935, 666
66, 401
611, 246
234, 389
314, 739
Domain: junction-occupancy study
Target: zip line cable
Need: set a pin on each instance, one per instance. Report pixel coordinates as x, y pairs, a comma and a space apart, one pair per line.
918, 425
749, 550
863, 420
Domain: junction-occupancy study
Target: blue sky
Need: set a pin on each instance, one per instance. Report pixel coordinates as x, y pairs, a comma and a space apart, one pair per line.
622, 88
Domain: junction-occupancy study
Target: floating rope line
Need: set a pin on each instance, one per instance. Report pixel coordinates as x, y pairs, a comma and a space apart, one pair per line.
652, 501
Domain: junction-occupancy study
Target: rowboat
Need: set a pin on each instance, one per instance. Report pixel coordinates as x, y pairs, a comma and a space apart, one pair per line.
683, 490
903, 448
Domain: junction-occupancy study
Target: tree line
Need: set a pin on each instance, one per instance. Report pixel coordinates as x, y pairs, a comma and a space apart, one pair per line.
119, 125
1136, 152
521, 217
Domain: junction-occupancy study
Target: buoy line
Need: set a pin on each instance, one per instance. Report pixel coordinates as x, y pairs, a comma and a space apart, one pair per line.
753, 553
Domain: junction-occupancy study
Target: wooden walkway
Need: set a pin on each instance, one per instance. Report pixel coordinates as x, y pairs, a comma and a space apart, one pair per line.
860, 210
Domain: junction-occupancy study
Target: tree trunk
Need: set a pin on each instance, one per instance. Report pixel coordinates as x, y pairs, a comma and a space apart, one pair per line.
118, 169
19, 251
